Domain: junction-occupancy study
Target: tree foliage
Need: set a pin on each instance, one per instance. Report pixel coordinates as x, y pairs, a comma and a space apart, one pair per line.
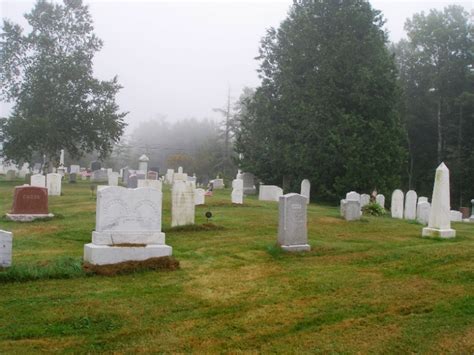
326, 107
48, 75
435, 65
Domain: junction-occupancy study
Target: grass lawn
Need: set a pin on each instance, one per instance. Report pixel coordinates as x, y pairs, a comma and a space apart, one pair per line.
370, 286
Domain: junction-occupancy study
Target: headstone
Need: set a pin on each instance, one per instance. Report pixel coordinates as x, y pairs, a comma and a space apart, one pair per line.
455, 216
237, 195
199, 197
180, 170
218, 184
38, 180
471, 219
422, 199
29, 203
72, 178
397, 204
292, 228
126, 174
96, 165
380, 199
10, 175
342, 207
143, 163
53, 183
152, 175
37, 168
423, 212
352, 210
353, 196
169, 176
182, 203
141, 175
439, 224
155, 184
249, 184
113, 179
132, 182
99, 176
128, 227
74, 169
6, 242
180, 175
27, 178
465, 211
364, 200
305, 188
270, 193
410, 205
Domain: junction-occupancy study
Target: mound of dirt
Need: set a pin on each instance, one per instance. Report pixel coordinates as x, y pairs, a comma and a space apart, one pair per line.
162, 263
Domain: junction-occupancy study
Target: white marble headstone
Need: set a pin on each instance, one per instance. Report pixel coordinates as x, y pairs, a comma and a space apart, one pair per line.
237, 195
410, 205
305, 188
354, 196
199, 196
380, 199
423, 212
270, 193
53, 183
6, 241
397, 204
182, 203
38, 180
364, 200
113, 179
156, 184
292, 228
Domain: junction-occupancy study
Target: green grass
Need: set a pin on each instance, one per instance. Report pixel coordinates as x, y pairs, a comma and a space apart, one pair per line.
370, 286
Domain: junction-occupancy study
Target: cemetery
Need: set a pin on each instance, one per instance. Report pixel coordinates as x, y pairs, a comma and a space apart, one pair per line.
160, 192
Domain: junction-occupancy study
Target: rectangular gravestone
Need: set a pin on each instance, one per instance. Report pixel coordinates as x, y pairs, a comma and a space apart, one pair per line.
352, 210
96, 165
132, 181
292, 228
249, 184
199, 197
29, 203
6, 242
270, 193
38, 180
53, 183
182, 203
72, 178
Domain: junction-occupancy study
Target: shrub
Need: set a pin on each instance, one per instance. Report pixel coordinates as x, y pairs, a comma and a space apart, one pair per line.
373, 209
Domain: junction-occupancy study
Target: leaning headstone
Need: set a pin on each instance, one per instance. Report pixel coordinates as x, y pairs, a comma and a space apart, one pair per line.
305, 188
113, 179
156, 184
249, 184
199, 197
353, 196
423, 212
410, 205
29, 203
439, 224
128, 227
397, 204
270, 193
132, 182
380, 199
455, 216
292, 228
53, 183
182, 203
364, 200
72, 178
237, 195
6, 242
352, 210
38, 180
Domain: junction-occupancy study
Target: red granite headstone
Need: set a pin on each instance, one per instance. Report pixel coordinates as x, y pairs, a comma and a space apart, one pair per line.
465, 212
30, 200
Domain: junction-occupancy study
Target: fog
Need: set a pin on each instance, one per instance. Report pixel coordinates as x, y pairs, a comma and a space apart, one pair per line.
178, 59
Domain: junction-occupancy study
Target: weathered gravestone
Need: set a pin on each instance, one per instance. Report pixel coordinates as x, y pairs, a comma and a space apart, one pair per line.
72, 178
364, 200
380, 199
180, 175
397, 204
422, 199
74, 169
125, 175
423, 212
169, 176
143, 163
305, 188
237, 195
455, 216
113, 178
199, 197
99, 176
10, 175
53, 183
132, 181
465, 212
249, 184
38, 180
29, 203
342, 207
292, 229
155, 184
410, 205
352, 210
439, 224
353, 196
270, 193
128, 226
152, 175
6, 242
182, 203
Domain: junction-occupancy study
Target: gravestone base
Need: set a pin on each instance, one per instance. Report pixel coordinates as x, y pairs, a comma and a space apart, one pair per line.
296, 248
113, 238
105, 255
27, 217
441, 233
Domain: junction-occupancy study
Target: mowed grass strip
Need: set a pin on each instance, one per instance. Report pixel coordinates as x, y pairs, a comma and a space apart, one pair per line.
368, 286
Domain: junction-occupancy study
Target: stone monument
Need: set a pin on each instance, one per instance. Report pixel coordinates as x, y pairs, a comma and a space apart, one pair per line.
292, 228
29, 203
53, 183
410, 205
305, 188
6, 241
396, 208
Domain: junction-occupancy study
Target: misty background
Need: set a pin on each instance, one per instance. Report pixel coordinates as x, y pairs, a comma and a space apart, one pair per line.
177, 60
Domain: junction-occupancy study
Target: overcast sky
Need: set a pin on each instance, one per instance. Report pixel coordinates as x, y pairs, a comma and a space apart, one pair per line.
178, 58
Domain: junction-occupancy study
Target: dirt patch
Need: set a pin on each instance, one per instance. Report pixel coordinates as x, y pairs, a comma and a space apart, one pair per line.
162, 263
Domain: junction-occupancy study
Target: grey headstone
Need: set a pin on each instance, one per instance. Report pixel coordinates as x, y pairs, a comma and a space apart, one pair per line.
132, 181
352, 210
6, 240
292, 229
72, 178
96, 165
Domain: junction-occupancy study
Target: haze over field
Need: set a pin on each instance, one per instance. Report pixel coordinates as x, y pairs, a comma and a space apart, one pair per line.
178, 59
